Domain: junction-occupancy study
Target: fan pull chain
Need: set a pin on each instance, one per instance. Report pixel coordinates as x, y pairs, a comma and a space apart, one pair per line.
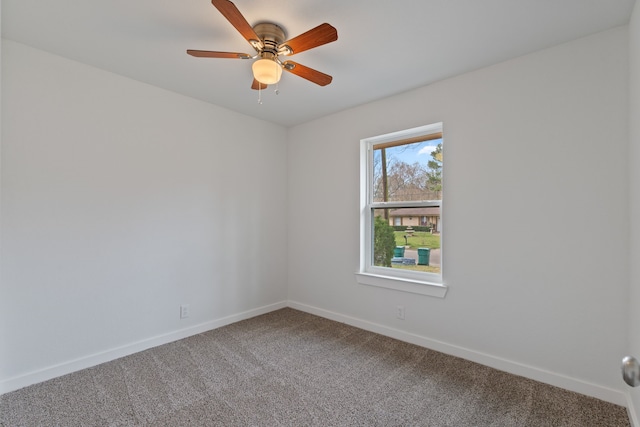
260, 93
278, 69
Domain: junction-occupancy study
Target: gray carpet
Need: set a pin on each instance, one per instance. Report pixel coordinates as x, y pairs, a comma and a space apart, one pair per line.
289, 368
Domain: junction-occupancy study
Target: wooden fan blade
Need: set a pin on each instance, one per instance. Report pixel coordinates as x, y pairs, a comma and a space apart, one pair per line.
257, 85
310, 74
212, 54
233, 15
322, 34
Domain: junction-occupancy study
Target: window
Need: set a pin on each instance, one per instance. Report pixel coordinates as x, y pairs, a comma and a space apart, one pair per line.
401, 211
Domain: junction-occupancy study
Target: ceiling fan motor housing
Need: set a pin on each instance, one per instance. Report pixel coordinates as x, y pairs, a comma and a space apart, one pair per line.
271, 35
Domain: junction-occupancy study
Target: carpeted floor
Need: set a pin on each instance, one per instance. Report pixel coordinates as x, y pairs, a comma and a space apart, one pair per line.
289, 368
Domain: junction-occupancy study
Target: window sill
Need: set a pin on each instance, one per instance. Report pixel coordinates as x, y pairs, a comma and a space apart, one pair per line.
403, 285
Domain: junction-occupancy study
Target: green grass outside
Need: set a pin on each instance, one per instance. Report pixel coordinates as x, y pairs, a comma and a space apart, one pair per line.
420, 239
427, 268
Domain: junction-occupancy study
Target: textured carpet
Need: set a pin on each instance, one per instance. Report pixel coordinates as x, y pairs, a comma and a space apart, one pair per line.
289, 368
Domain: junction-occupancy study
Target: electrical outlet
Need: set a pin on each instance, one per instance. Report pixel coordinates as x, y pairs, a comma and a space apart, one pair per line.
400, 312
184, 311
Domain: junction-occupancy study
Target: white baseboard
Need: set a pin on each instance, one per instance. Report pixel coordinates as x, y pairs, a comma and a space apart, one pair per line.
84, 362
631, 411
609, 395
599, 392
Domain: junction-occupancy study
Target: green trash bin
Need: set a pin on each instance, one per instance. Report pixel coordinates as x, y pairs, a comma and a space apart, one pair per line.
423, 256
398, 252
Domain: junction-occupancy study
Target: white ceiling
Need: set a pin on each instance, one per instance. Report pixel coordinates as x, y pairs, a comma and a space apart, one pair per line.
384, 47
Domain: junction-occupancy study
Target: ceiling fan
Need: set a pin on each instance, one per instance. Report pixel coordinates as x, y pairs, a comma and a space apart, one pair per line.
270, 43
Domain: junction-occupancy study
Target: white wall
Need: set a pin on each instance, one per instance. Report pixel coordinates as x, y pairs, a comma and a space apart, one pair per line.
535, 221
634, 173
121, 201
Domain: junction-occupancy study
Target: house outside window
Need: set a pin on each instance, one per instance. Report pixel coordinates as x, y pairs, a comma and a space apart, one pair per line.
401, 210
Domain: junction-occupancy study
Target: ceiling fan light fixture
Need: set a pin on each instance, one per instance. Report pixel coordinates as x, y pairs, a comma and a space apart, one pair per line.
270, 43
267, 71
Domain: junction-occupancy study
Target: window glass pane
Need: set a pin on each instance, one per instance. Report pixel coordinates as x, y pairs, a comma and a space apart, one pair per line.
409, 172
413, 246
403, 200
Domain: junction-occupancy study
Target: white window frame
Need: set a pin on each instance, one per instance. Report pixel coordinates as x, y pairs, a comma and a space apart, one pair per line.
401, 280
